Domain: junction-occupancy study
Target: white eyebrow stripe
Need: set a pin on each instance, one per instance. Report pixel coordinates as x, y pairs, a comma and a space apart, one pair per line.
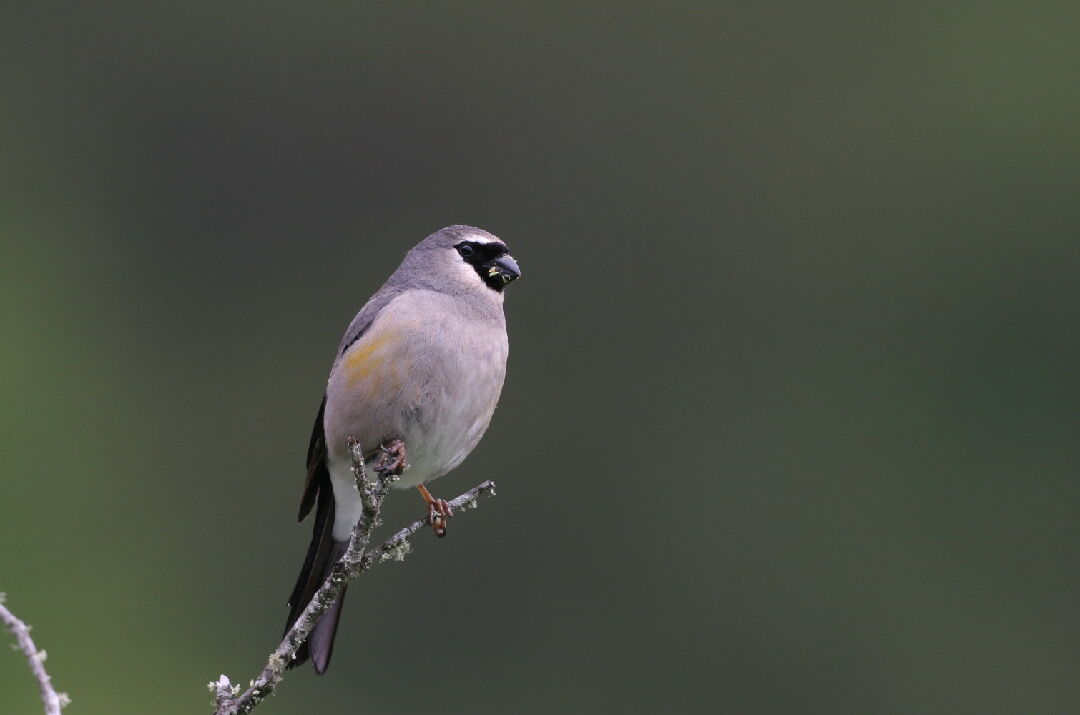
477, 238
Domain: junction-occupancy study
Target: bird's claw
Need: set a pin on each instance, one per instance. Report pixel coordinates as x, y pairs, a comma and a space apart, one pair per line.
439, 512
391, 459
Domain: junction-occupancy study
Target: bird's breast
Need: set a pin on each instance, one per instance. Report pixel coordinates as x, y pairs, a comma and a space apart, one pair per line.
458, 383
426, 373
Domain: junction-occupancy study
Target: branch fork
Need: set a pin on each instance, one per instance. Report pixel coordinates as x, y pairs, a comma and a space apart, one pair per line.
230, 699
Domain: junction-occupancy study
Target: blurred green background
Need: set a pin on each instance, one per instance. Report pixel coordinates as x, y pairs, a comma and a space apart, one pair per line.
791, 417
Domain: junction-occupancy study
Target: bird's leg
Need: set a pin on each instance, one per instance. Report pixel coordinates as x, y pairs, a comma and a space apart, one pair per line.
438, 511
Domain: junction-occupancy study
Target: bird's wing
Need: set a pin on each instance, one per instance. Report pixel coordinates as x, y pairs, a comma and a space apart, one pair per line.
365, 318
316, 456
317, 475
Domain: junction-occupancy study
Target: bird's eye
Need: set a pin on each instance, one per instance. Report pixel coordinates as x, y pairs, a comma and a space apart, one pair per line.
466, 250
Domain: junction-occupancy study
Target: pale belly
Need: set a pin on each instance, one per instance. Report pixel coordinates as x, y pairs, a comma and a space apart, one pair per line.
442, 433
436, 389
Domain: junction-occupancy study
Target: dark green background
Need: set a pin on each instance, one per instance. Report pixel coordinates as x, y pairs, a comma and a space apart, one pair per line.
791, 417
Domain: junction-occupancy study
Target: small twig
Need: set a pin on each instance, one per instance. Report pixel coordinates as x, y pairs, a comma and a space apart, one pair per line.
356, 560
395, 548
52, 700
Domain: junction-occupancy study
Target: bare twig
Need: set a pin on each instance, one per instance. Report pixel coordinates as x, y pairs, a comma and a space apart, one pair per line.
357, 559
395, 548
52, 700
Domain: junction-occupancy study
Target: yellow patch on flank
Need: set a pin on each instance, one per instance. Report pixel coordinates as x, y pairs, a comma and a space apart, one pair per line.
365, 361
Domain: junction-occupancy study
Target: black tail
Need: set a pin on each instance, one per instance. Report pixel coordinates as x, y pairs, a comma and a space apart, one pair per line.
322, 554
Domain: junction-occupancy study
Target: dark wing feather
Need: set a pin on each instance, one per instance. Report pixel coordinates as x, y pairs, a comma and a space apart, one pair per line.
316, 465
316, 455
324, 552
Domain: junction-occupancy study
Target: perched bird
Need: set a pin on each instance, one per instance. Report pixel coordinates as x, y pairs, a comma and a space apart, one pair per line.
423, 361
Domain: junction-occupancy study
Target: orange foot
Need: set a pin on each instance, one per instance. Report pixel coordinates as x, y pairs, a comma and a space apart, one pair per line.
438, 510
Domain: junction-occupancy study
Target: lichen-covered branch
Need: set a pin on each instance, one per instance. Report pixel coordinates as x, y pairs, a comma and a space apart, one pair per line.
357, 559
51, 699
395, 548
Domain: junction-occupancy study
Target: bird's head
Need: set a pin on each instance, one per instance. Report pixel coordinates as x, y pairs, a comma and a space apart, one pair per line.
470, 258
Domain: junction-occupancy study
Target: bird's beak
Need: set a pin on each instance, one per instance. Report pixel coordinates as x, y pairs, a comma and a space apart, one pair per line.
504, 268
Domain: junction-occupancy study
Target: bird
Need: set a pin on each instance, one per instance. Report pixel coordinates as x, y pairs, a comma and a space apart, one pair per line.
424, 361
